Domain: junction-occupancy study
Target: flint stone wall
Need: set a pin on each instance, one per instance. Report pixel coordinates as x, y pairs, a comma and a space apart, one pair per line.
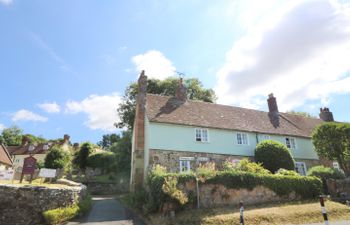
23, 205
108, 188
216, 195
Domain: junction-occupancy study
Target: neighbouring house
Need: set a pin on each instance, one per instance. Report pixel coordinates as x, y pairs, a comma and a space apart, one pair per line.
180, 134
38, 151
5, 158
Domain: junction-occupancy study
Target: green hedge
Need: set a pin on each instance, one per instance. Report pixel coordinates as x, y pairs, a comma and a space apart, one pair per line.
305, 186
60, 215
325, 173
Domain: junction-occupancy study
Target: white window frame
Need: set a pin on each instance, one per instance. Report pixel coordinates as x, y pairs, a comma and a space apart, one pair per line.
188, 166
291, 146
303, 166
265, 137
199, 133
242, 139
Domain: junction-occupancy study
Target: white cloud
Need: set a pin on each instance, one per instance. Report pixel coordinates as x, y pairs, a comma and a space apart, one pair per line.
155, 64
2, 126
48, 107
101, 110
6, 2
25, 115
301, 53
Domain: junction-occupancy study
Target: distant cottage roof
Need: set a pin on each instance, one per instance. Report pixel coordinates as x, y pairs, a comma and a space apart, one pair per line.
164, 109
5, 157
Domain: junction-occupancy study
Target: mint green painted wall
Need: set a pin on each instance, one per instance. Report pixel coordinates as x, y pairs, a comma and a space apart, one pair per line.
146, 156
182, 138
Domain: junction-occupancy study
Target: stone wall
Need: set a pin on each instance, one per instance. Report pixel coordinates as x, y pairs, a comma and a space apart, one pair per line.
216, 195
23, 205
170, 159
108, 188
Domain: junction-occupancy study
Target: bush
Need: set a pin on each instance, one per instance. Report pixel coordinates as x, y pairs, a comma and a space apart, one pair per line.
274, 155
246, 166
325, 173
57, 158
60, 215
103, 160
81, 157
285, 172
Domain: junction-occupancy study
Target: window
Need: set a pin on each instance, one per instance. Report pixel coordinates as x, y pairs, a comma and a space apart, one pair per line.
265, 137
185, 166
300, 168
202, 135
290, 142
242, 139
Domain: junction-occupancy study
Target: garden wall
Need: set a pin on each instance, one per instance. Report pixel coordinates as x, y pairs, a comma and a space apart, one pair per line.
215, 195
107, 188
23, 205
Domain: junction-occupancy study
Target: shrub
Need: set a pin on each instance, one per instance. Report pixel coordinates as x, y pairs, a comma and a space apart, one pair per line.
325, 172
60, 215
285, 172
170, 188
57, 158
81, 157
274, 155
103, 160
246, 166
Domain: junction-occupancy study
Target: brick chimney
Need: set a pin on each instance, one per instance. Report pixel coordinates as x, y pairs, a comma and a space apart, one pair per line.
326, 115
138, 142
66, 138
273, 110
25, 140
181, 91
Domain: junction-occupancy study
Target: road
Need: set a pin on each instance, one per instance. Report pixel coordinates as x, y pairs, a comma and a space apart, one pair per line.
108, 211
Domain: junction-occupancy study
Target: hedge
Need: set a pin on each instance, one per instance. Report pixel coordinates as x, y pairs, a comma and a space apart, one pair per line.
305, 186
60, 215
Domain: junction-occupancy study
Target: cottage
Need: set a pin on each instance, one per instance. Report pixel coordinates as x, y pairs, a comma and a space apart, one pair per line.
180, 134
5, 158
39, 151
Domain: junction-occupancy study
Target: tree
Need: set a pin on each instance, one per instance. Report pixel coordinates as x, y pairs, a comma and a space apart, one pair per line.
57, 158
81, 157
167, 87
122, 150
108, 140
299, 113
273, 156
332, 141
12, 136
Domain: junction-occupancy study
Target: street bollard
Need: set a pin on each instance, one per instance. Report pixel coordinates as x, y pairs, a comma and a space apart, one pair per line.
241, 210
324, 212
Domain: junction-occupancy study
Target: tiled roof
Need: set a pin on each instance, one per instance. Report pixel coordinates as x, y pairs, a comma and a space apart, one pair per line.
5, 157
26, 149
164, 109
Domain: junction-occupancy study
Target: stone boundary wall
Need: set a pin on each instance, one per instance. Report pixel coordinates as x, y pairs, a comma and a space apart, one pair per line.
216, 195
23, 205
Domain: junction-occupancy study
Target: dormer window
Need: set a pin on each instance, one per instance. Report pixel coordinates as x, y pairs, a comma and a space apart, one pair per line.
202, 135
46, 147
31, 148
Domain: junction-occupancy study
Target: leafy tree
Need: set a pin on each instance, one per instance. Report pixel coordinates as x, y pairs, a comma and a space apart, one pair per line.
274, 155
332, 141
122, 150
82, 155
57, 158
36, 139
108, 140
106, 161
167, 87
12, 136
299, 113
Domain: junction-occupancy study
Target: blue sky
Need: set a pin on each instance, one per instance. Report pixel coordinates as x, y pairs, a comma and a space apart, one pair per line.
64, 65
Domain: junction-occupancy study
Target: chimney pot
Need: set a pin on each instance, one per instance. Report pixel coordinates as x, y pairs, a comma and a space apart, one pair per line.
25, 140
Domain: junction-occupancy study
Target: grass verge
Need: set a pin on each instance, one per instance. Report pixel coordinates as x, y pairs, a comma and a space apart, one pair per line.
36, 183
293, 213
60, 215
